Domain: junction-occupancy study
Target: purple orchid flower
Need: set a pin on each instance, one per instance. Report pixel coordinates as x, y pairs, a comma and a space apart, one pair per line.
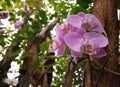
90, 43
91, 23
18, 24
87, 21
58, 45
74, 20
74, 40
4, 14
94, 43
81, 14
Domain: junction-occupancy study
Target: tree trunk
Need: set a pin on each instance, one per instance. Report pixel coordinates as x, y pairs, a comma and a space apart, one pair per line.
106, 12
39, 76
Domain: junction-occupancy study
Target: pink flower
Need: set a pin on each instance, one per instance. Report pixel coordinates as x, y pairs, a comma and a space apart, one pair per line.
58, 45
91, 23
18, 24
74, 41
94, 43
86, 21
90, 43
82, 33
4, 14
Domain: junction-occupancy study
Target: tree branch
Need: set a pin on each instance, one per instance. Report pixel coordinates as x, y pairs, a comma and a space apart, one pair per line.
38, 76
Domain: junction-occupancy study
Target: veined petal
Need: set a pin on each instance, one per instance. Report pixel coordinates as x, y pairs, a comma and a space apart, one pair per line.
94, 22
81, 14
60, 50
100, 53
96, 38
58, 30
74, 40
56, 44
74, 20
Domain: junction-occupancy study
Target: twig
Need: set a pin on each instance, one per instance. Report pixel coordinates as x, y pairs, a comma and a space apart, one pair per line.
116, 73
42, 34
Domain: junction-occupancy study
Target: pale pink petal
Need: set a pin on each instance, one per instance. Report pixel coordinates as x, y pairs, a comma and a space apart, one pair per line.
74, 40
94, 22
97, 38
81, 14
74, 20
60, 50
76, 54
58, 30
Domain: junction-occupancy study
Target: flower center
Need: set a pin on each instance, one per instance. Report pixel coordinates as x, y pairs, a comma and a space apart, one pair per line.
88, 49
67, 28
86, 25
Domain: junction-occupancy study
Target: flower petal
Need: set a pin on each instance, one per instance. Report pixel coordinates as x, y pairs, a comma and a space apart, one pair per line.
74, 40
76, 54
74, 20
94, 22
58, 30
100, 53
81, 14
60, 50
96, 38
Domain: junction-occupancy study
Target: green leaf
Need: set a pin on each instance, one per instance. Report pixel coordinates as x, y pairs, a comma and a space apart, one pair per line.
43, 17
8, 3
84, 3
26, 54
45, 46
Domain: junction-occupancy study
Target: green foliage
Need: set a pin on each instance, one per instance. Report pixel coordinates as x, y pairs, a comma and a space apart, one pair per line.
59, 71
43, 17
45, 46
84, 3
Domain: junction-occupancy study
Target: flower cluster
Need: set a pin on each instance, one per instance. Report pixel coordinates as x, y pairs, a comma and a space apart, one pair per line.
82, 33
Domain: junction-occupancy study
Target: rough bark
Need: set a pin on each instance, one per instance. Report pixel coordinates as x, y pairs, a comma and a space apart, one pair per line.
38, 76
106, 12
